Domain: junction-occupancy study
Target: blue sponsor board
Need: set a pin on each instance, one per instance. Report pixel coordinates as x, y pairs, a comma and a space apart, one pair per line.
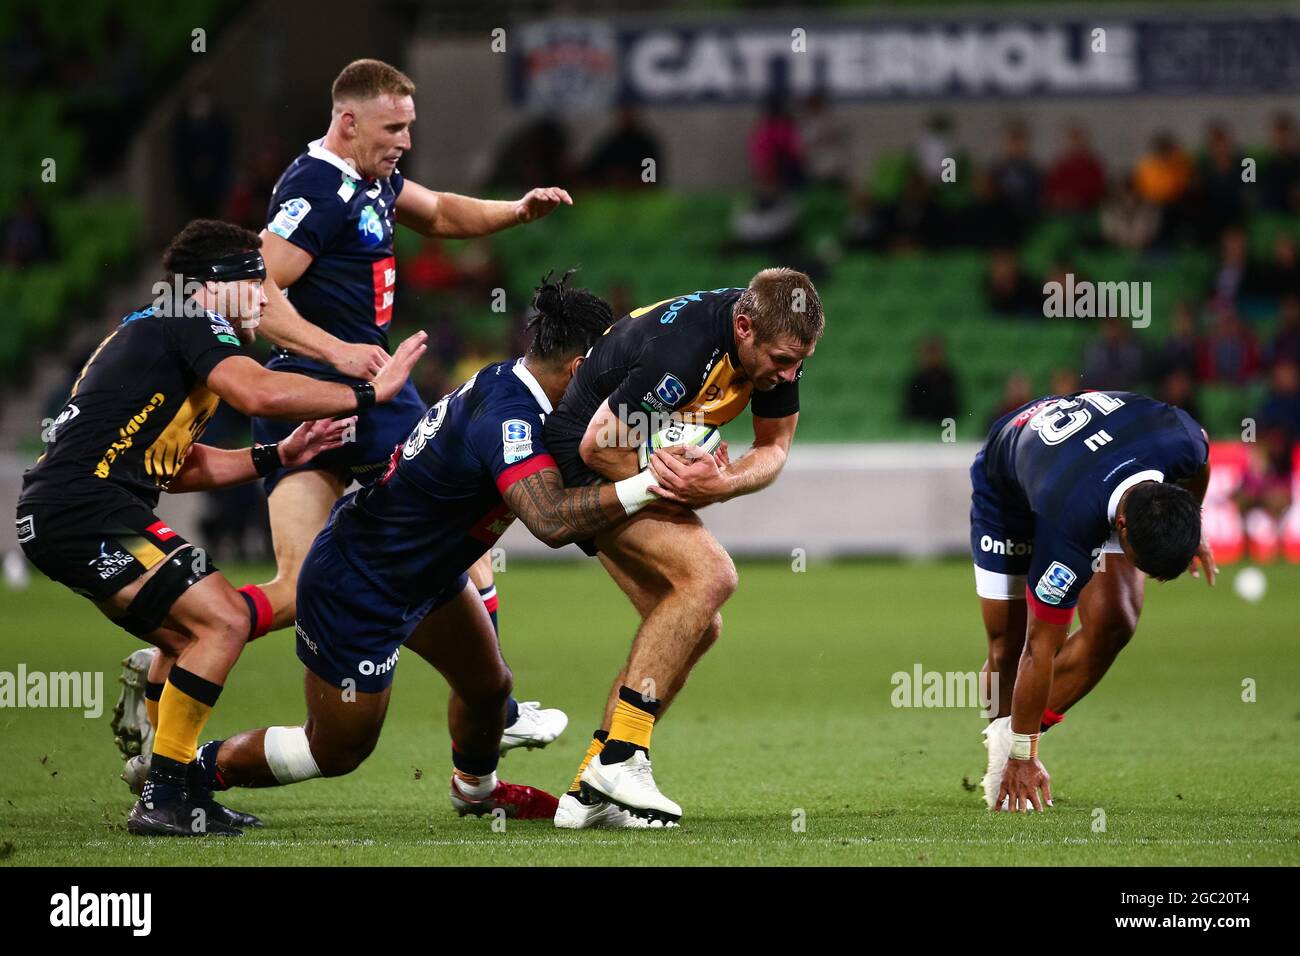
594, 64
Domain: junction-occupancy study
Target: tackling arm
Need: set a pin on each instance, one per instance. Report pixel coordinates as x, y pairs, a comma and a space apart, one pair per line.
206, 467
259, 392
557, 515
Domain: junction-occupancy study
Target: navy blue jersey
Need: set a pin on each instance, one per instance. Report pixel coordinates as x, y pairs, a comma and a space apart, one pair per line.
345, 222
439, 507
1067, 460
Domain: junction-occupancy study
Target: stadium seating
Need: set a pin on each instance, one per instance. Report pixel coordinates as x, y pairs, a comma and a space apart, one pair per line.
90, 235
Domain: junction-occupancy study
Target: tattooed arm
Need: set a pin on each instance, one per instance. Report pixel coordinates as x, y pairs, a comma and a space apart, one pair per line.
557, 515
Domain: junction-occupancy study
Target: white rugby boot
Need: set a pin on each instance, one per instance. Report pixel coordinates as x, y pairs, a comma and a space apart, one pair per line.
534, 727
997, 740
585, 811
630, 784
131, 728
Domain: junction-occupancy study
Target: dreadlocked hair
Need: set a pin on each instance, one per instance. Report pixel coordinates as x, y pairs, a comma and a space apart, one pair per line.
565, 322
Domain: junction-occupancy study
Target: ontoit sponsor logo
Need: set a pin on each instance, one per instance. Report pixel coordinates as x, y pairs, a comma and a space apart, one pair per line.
370, 667
75, 909
992, 546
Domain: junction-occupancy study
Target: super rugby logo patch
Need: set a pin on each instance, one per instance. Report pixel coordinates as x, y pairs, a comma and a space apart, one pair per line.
516, 440
670, 390
1054, 583
290, 217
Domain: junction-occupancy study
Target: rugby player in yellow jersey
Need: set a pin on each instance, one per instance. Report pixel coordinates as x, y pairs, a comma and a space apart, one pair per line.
129, 432
705, 355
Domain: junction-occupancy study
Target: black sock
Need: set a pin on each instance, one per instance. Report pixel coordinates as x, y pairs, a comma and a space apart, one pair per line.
616, 751
166, 780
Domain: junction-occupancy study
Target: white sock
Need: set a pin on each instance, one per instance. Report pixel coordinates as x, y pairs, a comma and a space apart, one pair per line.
474, 788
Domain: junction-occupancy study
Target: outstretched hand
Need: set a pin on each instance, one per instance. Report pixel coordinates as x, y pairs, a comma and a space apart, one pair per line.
397, 369
311, 438
537, 203
1021, 782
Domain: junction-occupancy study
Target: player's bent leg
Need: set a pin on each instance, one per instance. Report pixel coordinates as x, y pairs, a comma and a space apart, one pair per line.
1005, 621
457, 638
299, 506
693, 575
700, 577
528, 723
183, 595
342, 727
1109, 608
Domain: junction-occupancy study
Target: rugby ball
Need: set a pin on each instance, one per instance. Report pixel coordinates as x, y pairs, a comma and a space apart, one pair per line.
705, 437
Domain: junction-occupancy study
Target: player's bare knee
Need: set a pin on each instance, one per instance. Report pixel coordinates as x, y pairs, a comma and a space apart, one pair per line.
1115, 632
228, 625
338, 763
497, 691
1005, 649
338, 759
489, 691
711, 633
715, 580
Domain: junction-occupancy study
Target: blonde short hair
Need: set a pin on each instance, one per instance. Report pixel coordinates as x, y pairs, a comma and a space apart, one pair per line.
367, 79
782, 302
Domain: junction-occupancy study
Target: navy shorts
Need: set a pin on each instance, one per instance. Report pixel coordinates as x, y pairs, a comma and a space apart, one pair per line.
1001, 538
379, 430
348, 629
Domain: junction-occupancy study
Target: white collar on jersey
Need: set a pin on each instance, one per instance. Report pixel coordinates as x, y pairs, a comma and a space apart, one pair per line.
1125, 485
316, 149
525, 376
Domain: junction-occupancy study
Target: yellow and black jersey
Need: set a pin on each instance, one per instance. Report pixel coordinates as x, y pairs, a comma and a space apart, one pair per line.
677, 356
138, 405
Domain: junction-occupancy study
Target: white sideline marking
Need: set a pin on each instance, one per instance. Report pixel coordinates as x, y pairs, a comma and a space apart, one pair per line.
731, 841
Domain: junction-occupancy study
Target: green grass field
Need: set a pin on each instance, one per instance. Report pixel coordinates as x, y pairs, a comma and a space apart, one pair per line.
790, 712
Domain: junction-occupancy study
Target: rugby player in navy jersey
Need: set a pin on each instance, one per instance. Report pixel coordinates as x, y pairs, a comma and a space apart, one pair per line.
1076, 500
329, 246
129, 432
389, 570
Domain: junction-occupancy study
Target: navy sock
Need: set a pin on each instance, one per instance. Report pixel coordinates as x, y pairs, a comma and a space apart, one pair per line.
166, 780
205, 775
512, 711
474, 766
